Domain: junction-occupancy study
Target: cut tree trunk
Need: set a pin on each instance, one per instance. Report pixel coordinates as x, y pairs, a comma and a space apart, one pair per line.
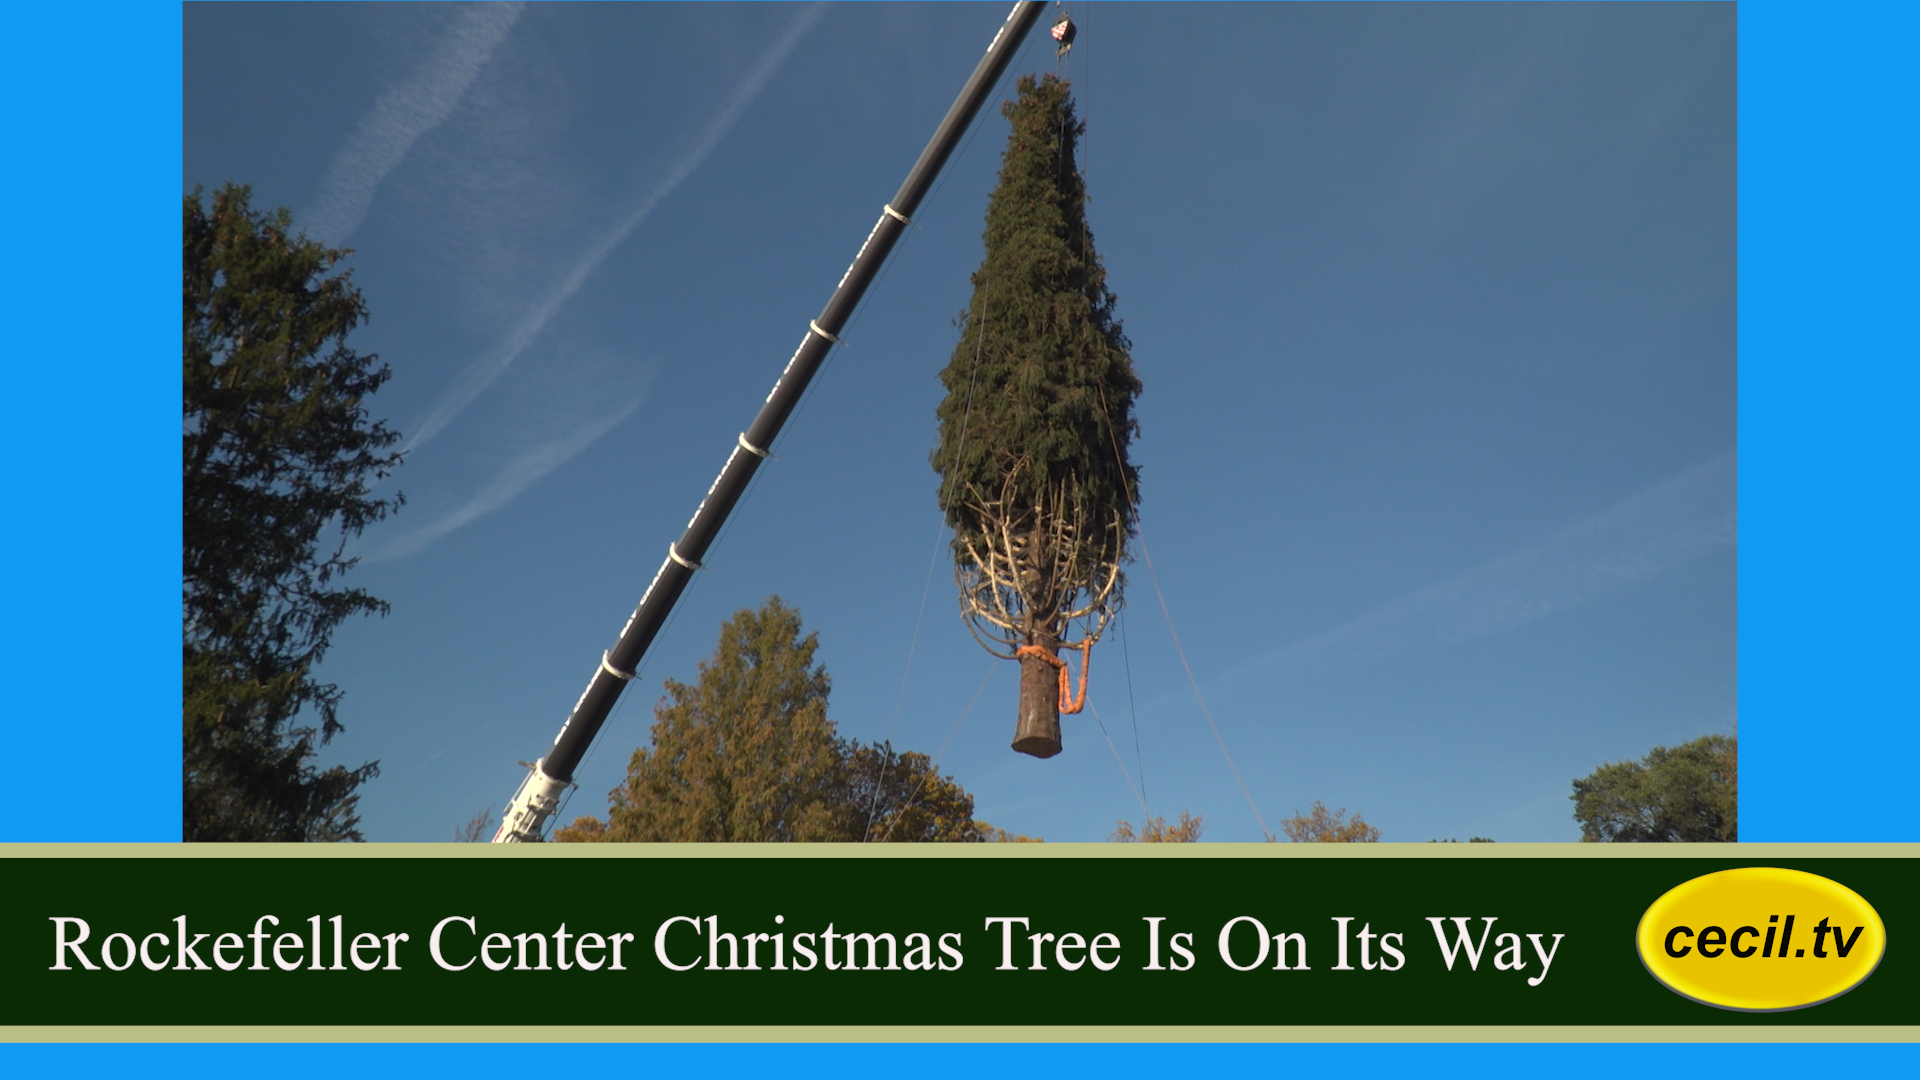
1038, 732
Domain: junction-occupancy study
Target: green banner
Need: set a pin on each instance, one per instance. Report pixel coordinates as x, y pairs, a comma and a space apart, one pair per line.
995, 935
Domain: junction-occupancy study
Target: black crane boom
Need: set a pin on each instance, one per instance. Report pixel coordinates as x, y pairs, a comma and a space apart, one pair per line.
534, 804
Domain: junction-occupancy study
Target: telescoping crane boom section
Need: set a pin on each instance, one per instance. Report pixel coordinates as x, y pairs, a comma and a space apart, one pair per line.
539, 794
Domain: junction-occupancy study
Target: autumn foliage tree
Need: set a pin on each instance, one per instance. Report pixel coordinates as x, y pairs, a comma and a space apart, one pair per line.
1322, 826
907, 798
280, 455
990, 835
1155, 830
1036, 481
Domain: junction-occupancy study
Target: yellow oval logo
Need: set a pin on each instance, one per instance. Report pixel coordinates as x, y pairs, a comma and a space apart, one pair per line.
1761, 939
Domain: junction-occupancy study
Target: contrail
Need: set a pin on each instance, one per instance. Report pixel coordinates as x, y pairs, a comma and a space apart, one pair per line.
520, 474
1677, 519
403, 114
484, 371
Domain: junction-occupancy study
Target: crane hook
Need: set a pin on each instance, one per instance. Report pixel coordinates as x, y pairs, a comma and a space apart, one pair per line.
1063, 32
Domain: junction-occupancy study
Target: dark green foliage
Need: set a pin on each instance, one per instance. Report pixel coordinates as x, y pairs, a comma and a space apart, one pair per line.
747, 754
278, 450
1686, 794
1040, 388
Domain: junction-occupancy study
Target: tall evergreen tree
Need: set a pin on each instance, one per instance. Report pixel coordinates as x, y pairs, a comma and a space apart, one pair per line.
1037, 421
279, 451
746, 753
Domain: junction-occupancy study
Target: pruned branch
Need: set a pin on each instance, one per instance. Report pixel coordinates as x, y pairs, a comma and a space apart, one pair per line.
1031, 574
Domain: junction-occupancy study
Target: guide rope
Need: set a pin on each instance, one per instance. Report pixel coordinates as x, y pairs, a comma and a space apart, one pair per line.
1138, 797
933, 767
1154, 576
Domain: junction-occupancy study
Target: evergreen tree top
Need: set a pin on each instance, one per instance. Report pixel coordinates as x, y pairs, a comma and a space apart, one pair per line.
279, 458
1040, 387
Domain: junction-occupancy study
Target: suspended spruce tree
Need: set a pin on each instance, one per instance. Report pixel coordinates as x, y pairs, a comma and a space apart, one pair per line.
1035, 428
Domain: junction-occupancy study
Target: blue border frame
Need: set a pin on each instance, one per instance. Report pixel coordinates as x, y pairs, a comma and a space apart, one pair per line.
1827, 289
94, 541
1827, 568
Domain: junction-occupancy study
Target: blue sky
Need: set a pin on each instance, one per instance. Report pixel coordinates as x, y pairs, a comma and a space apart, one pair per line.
1435, 309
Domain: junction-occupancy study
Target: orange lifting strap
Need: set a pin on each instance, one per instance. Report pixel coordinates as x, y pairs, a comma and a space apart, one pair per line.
1068, 703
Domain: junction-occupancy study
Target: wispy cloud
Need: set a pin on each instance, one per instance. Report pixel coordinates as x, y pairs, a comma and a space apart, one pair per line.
518, 475
403, 114
481, 373
1678, 519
